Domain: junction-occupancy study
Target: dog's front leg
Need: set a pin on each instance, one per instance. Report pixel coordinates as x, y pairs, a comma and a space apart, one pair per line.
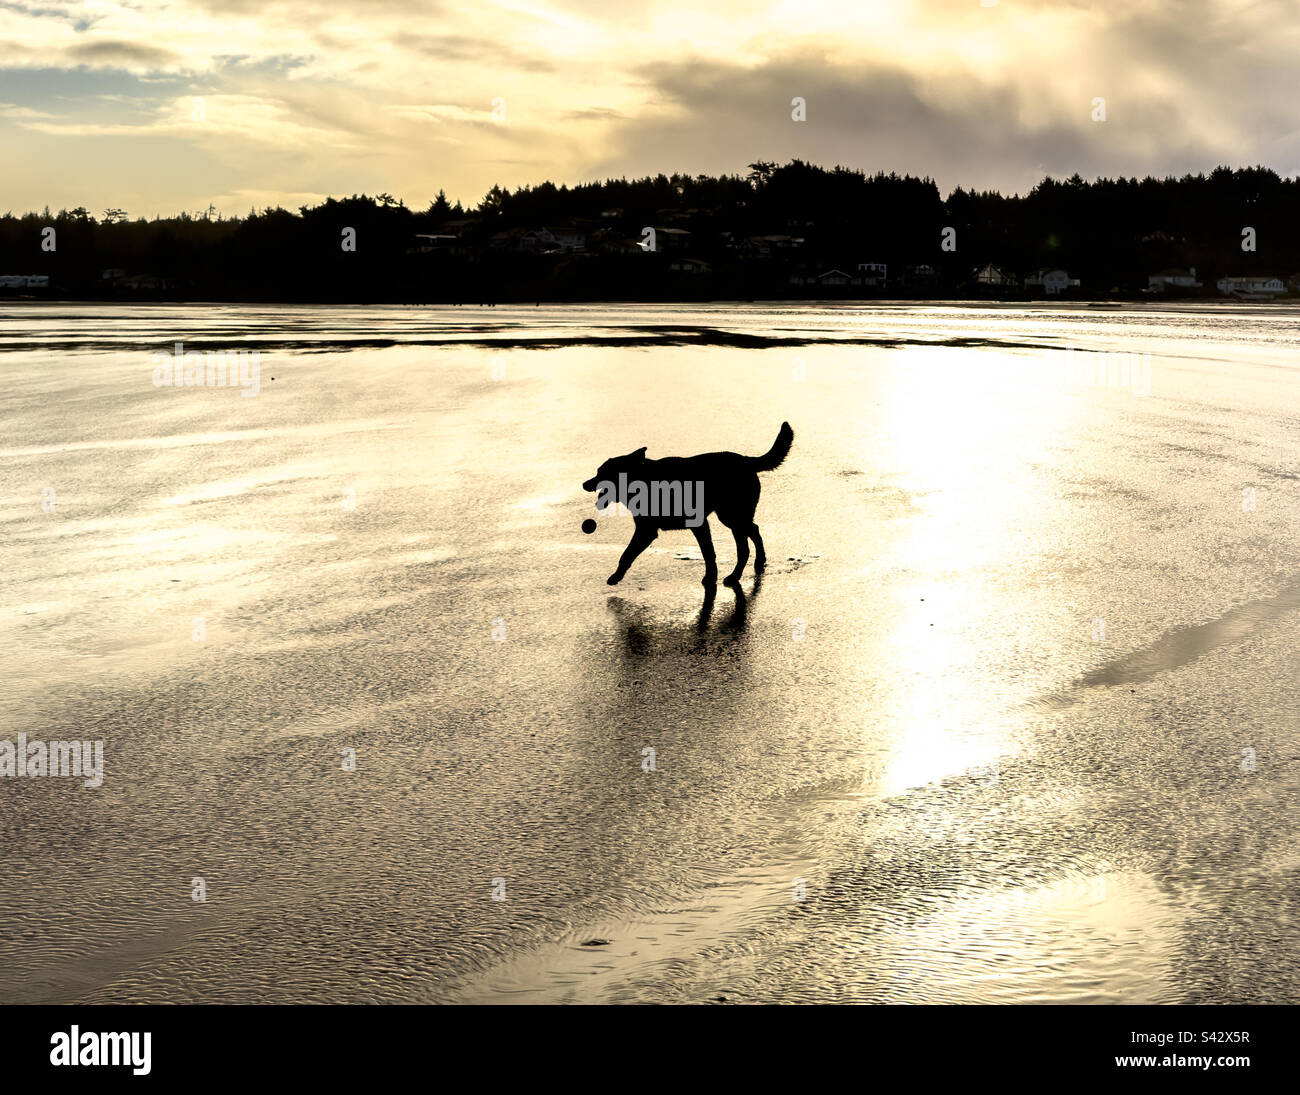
642, 538
704, 538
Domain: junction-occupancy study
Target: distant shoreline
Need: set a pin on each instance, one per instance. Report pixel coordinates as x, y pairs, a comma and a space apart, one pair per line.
779, 233
1155, 303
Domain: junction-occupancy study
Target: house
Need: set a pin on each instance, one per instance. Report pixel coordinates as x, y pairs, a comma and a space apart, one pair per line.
569, 239
1173, 278
672, 239
533, 241
143, 282
458, 227
993, 275
828, 279
1251, 288
764, 246
1052, 282
873, 274
24, 281
614, 242
690, 266
612, 214
426, 243
922, 276
113, 273
527, 241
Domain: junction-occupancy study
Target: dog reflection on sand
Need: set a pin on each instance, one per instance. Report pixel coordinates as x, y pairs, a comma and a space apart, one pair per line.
642, 634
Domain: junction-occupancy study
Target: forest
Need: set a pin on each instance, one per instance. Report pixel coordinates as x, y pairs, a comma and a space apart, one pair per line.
774, 232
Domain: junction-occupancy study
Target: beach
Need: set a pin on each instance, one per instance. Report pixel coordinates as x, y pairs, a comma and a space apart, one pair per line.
1011, 715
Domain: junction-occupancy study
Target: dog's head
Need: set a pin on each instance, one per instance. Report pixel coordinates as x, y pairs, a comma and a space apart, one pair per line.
609, 471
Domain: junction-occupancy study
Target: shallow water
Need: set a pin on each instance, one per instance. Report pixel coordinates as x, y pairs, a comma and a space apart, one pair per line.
1011, 715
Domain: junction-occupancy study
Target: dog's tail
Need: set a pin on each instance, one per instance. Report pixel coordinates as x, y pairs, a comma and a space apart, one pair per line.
778, 452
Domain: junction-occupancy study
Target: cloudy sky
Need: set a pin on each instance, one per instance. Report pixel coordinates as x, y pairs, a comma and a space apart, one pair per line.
155, 106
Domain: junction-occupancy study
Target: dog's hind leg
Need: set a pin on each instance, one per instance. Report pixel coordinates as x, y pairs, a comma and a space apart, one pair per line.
642, 538
704, 538
742, 555
760, 556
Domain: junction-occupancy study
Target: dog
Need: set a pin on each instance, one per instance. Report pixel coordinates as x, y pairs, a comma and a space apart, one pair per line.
724, 483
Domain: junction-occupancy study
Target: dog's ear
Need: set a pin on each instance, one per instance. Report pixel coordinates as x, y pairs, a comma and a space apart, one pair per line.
639, 454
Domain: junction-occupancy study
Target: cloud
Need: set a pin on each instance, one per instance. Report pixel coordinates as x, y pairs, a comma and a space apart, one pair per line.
17, 113
118, 54
981, 111
210, 120
315, 95
718, 117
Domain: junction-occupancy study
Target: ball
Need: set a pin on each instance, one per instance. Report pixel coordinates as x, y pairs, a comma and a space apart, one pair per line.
588, 526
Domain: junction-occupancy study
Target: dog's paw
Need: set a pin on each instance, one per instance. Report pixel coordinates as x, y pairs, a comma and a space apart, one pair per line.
613, 579
732, 580
710, 580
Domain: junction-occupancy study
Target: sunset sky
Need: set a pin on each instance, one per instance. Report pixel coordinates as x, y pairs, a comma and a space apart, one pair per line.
301, 99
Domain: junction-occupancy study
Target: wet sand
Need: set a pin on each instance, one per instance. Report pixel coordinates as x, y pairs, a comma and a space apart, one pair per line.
908, 765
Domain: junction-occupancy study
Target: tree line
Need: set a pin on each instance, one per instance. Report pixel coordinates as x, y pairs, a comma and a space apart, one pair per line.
757, 235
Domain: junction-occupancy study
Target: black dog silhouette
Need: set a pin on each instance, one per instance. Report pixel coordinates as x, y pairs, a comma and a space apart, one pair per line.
729, 485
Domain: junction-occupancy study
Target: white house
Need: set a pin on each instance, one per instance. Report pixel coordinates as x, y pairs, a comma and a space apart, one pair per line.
569, 239
1173, 278
1251, 288
24, 281
825, 279
873, 273
992, 275
1051, 282
534, 240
